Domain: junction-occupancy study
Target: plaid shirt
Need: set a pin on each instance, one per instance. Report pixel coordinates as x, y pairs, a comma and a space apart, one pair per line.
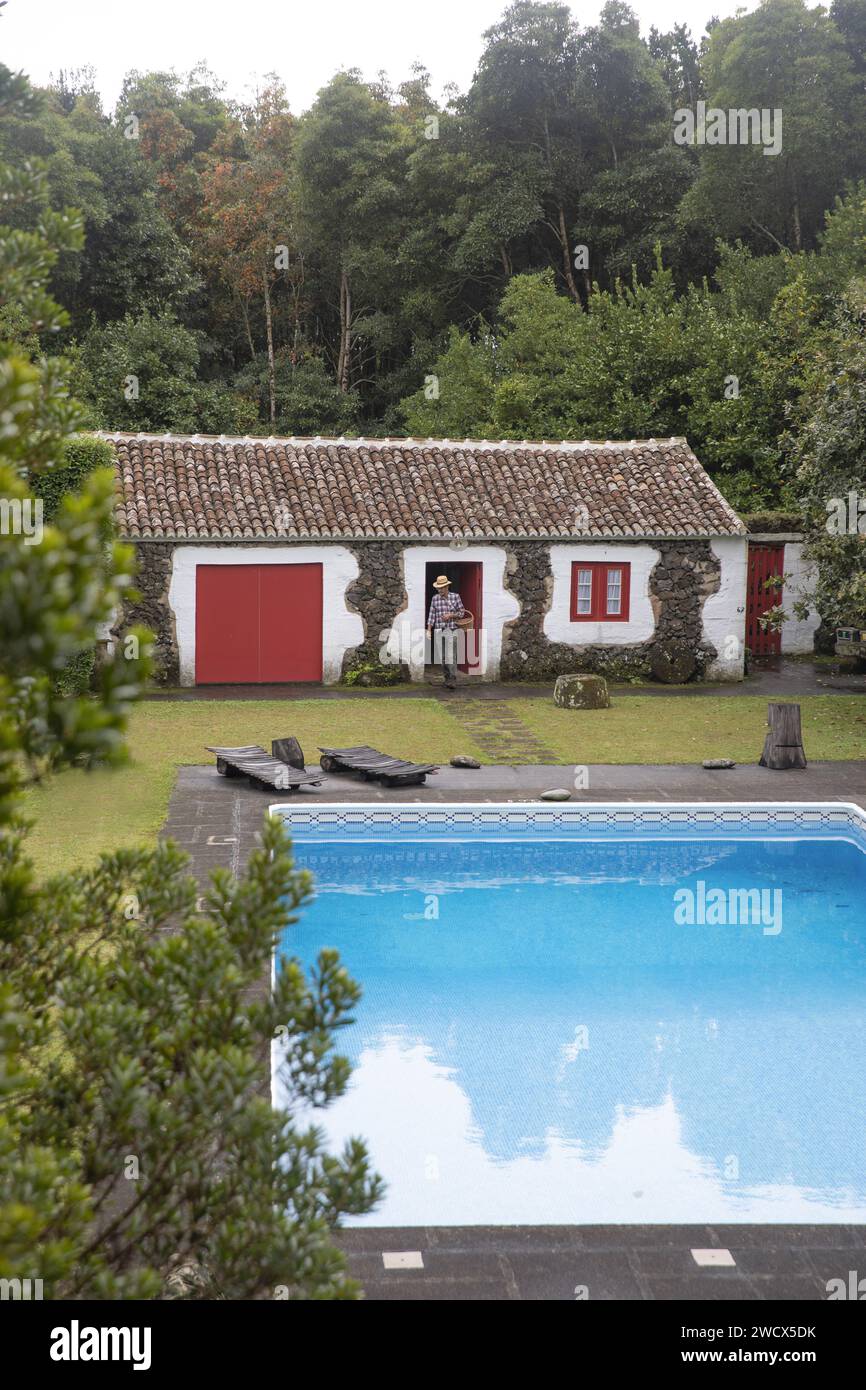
444, 609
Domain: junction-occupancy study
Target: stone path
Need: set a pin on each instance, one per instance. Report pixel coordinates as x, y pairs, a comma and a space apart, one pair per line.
600, 1263
499, 733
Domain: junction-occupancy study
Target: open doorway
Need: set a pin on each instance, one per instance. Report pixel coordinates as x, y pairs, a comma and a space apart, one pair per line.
466, 580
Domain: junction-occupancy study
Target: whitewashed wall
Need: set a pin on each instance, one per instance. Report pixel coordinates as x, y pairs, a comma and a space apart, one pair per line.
798, 634
405, 641
558, 626
724, 614
340, 627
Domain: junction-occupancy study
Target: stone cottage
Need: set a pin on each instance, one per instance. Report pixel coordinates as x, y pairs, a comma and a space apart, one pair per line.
270, 560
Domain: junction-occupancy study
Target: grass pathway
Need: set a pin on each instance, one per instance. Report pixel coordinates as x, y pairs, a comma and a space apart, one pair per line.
500, 733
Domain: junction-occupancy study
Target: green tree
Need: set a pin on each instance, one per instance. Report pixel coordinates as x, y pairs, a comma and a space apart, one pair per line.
831, 457
351, 163
849, 16
524, 120
248, 218
307, 400
130, 258
455, 400
138, 1158
143, 373
789, 58
724, 366
620, 90
678, 60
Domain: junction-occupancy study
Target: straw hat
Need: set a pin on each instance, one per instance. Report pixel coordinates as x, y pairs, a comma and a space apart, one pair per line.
443, 582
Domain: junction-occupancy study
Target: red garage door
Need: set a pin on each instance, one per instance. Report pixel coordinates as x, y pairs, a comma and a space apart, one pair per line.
257, 623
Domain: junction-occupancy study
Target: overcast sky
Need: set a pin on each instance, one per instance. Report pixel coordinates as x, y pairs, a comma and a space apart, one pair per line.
305, 43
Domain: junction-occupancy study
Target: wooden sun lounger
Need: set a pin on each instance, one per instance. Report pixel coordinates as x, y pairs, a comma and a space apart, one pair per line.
394, 772
262, 769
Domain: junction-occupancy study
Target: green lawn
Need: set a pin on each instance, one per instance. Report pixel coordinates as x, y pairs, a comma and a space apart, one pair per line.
78, 814
687, 729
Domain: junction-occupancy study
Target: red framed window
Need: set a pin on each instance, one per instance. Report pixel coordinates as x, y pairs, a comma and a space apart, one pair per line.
600, 591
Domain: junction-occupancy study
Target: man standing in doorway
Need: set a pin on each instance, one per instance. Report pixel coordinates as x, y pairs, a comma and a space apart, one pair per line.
445, 608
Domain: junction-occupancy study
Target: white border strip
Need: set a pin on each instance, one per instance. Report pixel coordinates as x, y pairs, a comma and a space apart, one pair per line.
367, 819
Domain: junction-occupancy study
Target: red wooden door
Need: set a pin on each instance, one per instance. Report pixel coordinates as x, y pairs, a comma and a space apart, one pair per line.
470, 584
765, 562
290, 622
226, 624
258, 623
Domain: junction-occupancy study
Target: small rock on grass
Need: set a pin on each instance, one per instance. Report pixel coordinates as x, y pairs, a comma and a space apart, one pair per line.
463, 760
714, 763
556, 794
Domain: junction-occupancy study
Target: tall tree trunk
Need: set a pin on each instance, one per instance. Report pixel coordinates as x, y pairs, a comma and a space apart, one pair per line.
798, 234
566, 258
272, 371
344, 362
245, 310
297, 291
506, 264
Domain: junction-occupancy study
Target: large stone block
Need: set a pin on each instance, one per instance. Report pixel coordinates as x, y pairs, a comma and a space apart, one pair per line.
673, 663
581, 691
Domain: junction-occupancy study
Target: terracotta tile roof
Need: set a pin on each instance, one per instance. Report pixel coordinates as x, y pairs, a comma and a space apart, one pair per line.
206, 488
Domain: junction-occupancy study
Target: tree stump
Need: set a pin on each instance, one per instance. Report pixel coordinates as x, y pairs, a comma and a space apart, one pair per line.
288, 750
783, 746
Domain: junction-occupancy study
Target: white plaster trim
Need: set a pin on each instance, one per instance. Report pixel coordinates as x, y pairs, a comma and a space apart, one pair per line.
341, 628
374, 442
724, 613
458, 820
558, 626
798, 634
406, 639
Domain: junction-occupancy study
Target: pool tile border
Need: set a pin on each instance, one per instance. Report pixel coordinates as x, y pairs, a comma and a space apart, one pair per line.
371, 820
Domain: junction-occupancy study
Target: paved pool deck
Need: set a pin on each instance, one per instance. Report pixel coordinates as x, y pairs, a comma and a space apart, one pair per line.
218, 821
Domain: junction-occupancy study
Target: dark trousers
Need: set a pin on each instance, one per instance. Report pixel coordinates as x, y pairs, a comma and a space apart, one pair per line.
445, 650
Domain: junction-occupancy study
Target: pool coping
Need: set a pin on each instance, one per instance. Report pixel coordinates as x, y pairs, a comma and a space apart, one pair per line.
602, 820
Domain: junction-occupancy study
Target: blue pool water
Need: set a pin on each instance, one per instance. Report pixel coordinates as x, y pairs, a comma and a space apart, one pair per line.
545, 1037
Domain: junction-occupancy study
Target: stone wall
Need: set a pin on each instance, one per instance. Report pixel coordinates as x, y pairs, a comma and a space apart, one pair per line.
686, 573
152, 608
377, 595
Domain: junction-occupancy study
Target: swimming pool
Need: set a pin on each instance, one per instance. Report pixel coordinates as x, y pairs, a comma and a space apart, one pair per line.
590, 1013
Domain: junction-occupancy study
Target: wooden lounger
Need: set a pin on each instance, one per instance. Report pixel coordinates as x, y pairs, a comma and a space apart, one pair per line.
394, 772
262, 769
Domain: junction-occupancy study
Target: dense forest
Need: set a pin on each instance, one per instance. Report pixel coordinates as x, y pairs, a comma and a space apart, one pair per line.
537, 257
